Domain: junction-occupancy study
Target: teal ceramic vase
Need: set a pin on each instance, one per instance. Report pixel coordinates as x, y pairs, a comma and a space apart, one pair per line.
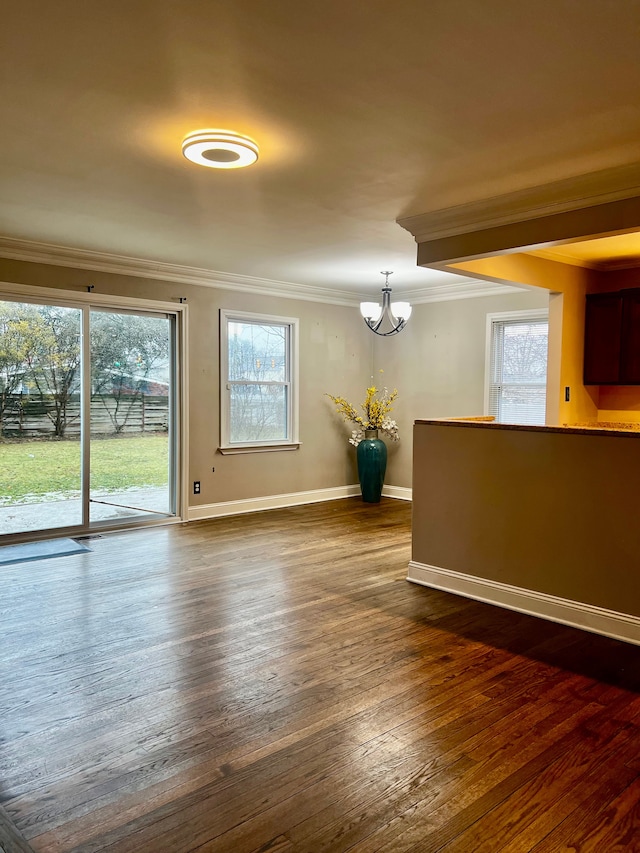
372, 464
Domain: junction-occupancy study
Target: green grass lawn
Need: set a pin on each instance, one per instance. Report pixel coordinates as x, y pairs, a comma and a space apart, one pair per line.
32, 469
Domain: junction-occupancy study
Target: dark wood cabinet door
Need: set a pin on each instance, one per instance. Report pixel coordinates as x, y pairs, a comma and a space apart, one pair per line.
602, 339
630, 347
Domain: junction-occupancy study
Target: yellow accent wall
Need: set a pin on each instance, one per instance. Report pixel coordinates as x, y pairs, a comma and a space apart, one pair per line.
568, 286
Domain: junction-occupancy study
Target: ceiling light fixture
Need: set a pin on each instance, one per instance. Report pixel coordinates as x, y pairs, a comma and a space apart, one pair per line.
389, 319
220, 149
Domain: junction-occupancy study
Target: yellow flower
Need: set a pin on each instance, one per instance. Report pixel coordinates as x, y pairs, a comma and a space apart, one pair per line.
375, 408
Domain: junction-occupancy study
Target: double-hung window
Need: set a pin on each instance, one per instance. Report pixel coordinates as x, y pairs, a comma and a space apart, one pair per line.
258, 382
516, 387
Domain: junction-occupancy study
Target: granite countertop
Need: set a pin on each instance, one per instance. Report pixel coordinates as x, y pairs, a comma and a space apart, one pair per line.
485, 422
608, 425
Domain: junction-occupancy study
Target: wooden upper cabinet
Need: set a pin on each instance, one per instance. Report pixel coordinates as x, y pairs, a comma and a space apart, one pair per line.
602, 338
612, 338
630, 344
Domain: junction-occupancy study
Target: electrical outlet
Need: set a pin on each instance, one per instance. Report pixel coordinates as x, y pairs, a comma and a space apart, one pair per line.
196, 487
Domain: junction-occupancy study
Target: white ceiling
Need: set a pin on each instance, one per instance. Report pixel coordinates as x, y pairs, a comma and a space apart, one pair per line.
365, 111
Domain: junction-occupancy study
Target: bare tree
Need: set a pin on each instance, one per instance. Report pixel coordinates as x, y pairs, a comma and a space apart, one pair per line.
257, 371
525, 353
14, 322
125, 350
52, 336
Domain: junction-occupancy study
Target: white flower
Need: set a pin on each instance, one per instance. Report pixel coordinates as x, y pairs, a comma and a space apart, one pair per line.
356, 437
390, 428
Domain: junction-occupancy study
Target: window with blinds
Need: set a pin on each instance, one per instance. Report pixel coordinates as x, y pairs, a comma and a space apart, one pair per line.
517, 376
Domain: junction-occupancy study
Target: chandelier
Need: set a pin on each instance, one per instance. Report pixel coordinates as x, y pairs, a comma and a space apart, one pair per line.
391, 317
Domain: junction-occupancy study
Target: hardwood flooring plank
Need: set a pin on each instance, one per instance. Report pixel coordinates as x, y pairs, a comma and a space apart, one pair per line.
430, 818
271, 683
507, 824
11, 839
288, 767
583, 803
618, 830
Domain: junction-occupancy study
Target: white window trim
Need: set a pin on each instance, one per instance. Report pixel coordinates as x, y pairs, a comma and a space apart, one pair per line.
527, 314
292, 442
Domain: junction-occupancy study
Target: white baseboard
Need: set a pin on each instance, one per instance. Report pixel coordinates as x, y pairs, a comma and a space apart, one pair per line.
619, 626
218, 510
198, 513
399, 492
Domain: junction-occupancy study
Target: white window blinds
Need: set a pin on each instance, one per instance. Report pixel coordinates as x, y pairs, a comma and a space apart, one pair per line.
518, 370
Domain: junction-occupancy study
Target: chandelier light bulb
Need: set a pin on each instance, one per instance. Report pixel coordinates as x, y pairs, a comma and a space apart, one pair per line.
371, 311
390, 317
401, 310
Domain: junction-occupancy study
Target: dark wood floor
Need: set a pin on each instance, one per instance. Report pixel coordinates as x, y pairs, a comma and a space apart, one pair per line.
271, 683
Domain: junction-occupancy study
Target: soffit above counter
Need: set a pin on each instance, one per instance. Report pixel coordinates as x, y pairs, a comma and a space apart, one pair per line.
586, 206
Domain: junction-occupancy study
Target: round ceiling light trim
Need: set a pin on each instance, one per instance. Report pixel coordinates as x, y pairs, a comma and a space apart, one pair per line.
220, 149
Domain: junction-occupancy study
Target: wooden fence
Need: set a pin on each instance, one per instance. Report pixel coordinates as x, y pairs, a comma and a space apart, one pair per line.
31, 417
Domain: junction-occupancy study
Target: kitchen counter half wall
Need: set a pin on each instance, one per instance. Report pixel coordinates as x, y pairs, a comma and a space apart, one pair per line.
487, 421
545, 520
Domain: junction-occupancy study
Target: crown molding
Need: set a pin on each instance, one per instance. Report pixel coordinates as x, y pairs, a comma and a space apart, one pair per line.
469, 288
64, 256
619, 264
580, 191
600, 266
550, 255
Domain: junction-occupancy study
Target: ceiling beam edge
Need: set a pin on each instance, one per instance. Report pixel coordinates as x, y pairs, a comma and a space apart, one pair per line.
614, 217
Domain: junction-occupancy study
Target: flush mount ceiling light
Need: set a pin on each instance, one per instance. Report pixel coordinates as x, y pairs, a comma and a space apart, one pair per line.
220, 149
389, 319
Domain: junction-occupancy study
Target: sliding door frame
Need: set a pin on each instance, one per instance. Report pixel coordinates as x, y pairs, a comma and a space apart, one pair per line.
179, 449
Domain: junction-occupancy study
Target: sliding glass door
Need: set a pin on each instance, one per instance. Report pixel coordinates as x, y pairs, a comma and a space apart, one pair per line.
131, 411
87, 417
40, 416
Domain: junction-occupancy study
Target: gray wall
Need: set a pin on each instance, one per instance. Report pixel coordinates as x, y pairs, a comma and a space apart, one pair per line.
437, 364
335, 356
549, 511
